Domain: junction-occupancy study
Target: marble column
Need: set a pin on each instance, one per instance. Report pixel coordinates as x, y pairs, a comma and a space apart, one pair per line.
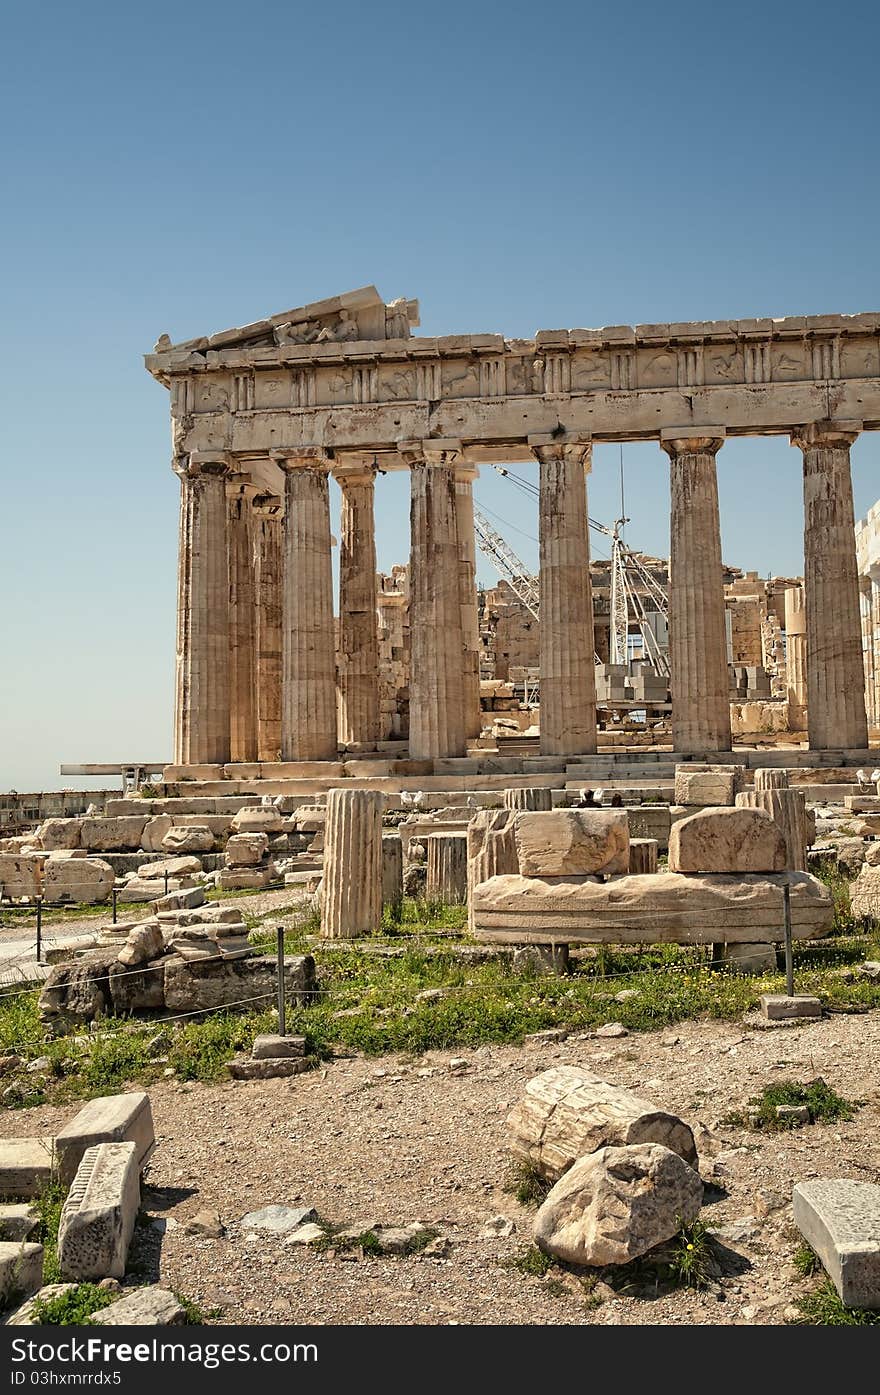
568, 667
697, 627
308, 662
836, 718
201, 719
269, 572
467, 576
796, 657
351, 898
869, 597
242, 622
436, 710
358, 664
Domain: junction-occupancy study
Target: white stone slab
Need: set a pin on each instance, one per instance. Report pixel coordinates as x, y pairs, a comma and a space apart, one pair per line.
841, 1220
21, 1270
110, 1119
97, 1220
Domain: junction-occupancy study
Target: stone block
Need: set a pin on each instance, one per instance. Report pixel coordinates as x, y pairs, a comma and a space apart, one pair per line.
567, 1112
154, 831
616, 1204
87, 880
112, 835
21, 1270
840, 1219
188, 838
246, 849
663, 907
97, 1219
185, 898
144, 942
172, 867
123, 1118
18, 1220
565, 842
264, 819
727, 840
27, 1166
705, 784
778, 1007
747, 958
20, 875
865, 892
272, 1069
57, 834
273, 1047
244, 878
143, 1307
227, 983
643, 853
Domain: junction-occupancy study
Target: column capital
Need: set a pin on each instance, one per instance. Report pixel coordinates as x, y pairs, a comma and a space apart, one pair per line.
241, 486
354, 468
290, 458
438, 450
825, 435
572, 448
202, 462
692, 440
268, 505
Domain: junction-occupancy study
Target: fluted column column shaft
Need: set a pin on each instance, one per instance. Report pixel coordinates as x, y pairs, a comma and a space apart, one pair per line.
201, 726
358, 666
697, 628
242, 623
836, 717
568, 669
467, 574
795, 654
308, 678
351, 897
269, 550
436, 712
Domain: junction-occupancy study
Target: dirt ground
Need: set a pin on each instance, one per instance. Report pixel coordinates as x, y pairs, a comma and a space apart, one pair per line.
393, 1140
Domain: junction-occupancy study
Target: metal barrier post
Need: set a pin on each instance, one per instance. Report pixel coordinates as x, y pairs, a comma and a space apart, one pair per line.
789, 958
114, 894
39, 929
282, 1025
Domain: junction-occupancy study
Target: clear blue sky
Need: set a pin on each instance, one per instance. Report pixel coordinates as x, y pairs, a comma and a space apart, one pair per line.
183, 168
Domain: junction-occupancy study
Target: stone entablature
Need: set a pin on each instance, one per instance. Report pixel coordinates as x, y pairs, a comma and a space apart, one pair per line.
243, 391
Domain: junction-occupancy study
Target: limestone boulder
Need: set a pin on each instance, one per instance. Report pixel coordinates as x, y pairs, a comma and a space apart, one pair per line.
172, 867
246, 849
20, 874
154, 831
113, 835
227, 983
265, 819
98, 1216
663, 907
872, 855
567, 1112
614, 1205
865, 892
84, 879
188, 838
245, 878
59, 834
565, 842
705, 784
727, 840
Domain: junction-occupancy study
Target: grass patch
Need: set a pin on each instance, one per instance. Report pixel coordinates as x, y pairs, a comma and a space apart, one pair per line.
73, 1308
824, 1105
48, 1208
691, 1263
532, 1262
525, 1181
823, 1308
806, 1261
194, 1314
370, 1002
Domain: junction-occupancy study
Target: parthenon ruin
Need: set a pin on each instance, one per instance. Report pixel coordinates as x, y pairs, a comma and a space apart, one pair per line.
264, 414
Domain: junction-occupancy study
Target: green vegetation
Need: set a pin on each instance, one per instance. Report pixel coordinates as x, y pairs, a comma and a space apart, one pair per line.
73, 1308
532, 1262
526, 1183
48, 1207
691, 1263
824, 1104
823, 1308
375, 1002
369, 1242
806, 1261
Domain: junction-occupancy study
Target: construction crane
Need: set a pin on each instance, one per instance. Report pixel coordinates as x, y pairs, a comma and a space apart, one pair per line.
626, 568
506, 563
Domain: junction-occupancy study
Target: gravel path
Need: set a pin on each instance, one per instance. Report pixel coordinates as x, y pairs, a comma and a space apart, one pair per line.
395, 1140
